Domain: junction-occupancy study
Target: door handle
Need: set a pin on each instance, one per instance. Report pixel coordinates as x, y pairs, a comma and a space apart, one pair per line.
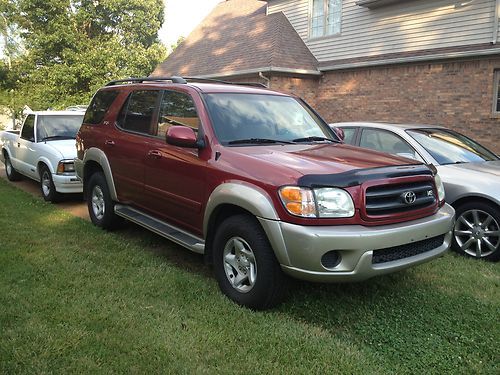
154, 154
109, 142
18, 144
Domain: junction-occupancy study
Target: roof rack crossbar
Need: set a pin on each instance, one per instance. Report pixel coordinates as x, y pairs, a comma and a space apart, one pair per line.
197, 79
174, 79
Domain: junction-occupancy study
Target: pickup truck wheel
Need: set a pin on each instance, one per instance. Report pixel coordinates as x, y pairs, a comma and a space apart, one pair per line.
244, 264
477, 231
11, 173
99, 202
47, 187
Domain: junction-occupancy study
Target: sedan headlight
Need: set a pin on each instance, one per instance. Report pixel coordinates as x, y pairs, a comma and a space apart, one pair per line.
66, 166
440, 187
322, 202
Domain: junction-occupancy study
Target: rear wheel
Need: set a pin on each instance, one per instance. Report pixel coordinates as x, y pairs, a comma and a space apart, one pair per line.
244, 264
477, 231
47, 187
99, 202
11, 173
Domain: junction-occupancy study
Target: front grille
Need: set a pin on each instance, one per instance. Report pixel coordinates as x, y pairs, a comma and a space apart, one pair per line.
404, 251
390, 199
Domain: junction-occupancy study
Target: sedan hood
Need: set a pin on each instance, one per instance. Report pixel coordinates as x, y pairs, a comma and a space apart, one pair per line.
486, 167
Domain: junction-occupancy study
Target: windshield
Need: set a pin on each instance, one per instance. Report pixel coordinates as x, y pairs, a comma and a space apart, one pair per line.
58, 126
264, 119
449, 147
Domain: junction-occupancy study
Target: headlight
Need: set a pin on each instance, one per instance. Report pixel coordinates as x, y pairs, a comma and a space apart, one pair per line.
440, 187
65, 166
323, 202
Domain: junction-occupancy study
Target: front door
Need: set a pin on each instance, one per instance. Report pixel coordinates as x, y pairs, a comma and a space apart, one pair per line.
26, 155
175, 176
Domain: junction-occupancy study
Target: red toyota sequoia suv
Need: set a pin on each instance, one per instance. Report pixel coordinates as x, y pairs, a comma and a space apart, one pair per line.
258, 182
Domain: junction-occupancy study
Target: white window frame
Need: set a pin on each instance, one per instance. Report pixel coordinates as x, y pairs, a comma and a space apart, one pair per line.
325, 21
496, 92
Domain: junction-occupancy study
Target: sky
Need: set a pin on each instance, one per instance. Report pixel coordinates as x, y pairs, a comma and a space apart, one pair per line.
182, 16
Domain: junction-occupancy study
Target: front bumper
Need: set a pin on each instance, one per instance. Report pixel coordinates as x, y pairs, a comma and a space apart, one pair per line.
67, 183
300, 249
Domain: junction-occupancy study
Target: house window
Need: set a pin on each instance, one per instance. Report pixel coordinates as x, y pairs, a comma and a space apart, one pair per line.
325, 17
496, 93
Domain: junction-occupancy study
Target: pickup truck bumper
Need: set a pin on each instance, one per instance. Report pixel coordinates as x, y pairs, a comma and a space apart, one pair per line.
67, 184
355, 252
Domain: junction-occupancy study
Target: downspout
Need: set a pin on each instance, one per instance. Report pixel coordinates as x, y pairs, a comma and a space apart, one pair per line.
268, 81
495, 22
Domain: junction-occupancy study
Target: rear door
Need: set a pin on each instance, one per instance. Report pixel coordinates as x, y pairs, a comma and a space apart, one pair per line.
175, 177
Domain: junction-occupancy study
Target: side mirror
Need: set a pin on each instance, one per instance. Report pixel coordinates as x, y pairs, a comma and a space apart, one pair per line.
181, 136
339, 132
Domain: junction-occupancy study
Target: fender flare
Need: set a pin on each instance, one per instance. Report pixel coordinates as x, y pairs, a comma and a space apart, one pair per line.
46, 161
96, 155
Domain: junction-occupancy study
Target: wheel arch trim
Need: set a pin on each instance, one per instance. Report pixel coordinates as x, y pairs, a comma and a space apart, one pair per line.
96, 155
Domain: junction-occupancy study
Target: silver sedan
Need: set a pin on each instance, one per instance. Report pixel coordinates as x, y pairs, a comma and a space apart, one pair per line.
470, 173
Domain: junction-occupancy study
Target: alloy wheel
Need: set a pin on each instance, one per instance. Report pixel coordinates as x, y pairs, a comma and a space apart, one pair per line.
98, 204
240, 264
477, 233
45, 183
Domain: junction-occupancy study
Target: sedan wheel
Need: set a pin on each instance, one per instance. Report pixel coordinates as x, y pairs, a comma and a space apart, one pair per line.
477, 233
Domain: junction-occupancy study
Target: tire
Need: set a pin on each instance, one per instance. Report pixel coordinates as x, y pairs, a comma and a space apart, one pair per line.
47, 186
245, 266
477, 231
11, 173
99, 203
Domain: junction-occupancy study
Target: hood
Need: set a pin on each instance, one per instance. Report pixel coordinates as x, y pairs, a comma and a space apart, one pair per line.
485, 167
65, 147
295, 161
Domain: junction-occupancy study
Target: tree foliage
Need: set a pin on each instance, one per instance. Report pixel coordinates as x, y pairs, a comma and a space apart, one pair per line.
72, 47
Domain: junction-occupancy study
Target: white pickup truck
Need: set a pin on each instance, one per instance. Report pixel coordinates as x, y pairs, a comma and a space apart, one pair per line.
44, 151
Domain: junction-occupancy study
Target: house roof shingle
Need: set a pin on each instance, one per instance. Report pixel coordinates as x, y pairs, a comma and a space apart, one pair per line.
237, 37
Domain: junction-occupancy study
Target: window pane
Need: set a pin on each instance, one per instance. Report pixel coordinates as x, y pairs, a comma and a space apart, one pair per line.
385, 141
28, 131
349, 134
334, 16
137, 113
176, 109
99, 105
58, 126
318, 16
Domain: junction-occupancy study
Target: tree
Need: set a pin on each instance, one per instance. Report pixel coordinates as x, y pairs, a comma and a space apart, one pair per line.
73, 47
179, 41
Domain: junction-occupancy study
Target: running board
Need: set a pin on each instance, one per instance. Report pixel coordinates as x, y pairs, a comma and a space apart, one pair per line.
168, 231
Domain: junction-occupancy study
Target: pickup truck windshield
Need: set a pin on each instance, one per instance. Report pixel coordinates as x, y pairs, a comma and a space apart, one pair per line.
52, 127
257, 119
449, 147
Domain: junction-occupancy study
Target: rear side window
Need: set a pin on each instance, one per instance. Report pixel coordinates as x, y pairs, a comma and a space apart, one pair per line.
99, 106
349, 135
28, 131
137, 113
176, 108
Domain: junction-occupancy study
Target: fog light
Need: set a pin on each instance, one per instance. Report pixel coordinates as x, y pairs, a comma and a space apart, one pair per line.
331, 259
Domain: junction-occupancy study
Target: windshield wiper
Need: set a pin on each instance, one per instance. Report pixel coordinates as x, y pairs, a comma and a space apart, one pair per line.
54, 137
314, 139
257, 141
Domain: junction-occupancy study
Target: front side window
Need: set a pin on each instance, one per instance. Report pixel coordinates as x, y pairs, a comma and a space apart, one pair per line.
496, 93
176, 108
99, 105
384, 141
53, 127
28, 131
266, 118
449, 147
137, 113
326, 17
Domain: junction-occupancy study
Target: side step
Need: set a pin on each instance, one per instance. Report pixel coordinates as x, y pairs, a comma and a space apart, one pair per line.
168, 231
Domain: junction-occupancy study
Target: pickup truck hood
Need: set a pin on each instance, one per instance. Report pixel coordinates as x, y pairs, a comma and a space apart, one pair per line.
295, 161
65, 147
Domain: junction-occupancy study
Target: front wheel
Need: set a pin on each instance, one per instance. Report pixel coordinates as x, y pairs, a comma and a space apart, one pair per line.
99, 202
477, 231
244, 264
47, 186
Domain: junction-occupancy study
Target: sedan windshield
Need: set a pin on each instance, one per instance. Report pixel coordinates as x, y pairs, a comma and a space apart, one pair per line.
53, 127
242, 119
449, 147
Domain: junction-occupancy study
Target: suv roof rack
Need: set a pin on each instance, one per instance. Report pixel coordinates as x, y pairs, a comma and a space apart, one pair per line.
182, 80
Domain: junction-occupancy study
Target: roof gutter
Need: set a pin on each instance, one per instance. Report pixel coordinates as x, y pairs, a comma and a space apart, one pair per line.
267, 69
496, 15
401, 60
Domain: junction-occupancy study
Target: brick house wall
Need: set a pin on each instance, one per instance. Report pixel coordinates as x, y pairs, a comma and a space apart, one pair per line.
457, 94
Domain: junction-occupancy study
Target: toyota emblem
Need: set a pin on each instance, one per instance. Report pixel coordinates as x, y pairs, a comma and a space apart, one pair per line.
409, 197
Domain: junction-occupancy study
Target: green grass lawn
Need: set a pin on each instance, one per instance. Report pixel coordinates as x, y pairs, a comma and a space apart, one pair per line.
74, 298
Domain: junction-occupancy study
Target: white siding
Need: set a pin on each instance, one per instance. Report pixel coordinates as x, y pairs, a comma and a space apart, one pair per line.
404, 27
